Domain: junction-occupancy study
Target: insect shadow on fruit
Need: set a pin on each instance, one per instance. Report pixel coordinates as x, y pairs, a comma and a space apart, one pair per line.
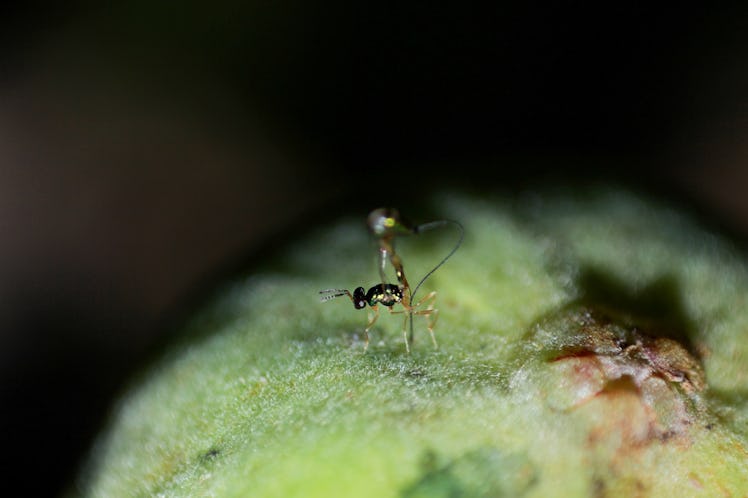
656, 307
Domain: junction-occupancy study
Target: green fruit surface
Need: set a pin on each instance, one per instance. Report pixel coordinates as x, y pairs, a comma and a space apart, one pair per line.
592, 343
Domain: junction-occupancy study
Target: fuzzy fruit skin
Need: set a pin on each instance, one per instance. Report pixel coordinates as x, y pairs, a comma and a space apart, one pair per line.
592, 343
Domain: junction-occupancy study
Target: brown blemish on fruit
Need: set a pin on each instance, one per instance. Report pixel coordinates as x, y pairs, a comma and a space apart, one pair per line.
623, 363
650, 384
673, 362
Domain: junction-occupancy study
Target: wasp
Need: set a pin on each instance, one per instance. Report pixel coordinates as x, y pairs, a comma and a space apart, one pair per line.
388, 295
386, 224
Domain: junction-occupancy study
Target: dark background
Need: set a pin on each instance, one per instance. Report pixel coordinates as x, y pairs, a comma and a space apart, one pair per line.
145, 146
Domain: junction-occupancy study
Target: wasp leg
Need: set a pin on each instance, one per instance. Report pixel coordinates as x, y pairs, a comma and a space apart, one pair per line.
372, 319
430, 313
386, 249
389, 308
399, 270
407, 339
382, 263
407, 311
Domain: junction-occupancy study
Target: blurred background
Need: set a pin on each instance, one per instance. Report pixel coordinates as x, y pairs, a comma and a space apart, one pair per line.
144, 146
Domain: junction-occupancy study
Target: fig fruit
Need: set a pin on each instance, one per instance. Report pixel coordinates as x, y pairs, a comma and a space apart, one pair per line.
592, 342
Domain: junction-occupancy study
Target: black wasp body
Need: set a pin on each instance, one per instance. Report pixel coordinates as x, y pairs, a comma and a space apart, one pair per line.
387, 295
384, 294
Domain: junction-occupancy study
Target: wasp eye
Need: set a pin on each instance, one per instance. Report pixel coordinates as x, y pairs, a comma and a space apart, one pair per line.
359, 298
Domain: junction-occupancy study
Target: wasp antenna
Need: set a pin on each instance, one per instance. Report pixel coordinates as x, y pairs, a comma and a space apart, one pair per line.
425, 227
329, 294
429, 226
436, 224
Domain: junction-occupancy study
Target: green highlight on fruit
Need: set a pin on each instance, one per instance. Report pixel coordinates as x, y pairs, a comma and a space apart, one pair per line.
592, 342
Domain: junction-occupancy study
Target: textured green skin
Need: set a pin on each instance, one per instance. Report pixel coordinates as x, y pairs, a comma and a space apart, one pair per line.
271, 394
